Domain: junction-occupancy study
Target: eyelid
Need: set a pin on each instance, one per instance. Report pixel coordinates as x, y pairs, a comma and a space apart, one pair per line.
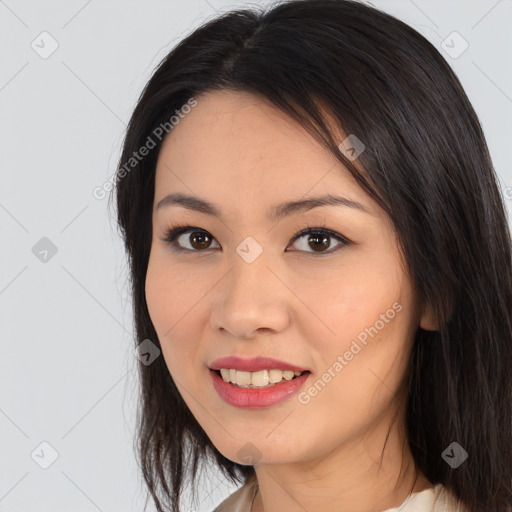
344, 241
174, 231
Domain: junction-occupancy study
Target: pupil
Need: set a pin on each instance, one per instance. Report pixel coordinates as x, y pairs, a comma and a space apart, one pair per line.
324, 241
201, 245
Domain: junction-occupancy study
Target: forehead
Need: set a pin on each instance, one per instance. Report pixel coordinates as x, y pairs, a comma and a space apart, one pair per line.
238, 146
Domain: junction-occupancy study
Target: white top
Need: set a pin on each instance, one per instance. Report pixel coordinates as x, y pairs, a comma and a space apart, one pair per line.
433, 499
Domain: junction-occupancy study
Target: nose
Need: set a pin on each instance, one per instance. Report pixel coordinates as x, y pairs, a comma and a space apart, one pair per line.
251, 299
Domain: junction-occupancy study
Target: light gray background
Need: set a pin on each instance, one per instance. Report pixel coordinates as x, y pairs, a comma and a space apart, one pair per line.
67, 363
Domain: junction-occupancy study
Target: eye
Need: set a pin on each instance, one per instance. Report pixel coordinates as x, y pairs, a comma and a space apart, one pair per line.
199, 240
319, 240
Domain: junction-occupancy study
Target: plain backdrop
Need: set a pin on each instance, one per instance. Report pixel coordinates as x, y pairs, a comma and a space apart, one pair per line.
68, 390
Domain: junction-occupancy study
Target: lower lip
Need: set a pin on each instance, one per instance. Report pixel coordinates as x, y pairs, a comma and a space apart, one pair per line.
256, 398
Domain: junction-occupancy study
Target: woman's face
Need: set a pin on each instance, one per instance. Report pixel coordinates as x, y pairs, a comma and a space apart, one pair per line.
243, 286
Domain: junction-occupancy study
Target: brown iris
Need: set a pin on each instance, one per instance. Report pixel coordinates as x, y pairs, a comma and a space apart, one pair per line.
324, 243
202, 240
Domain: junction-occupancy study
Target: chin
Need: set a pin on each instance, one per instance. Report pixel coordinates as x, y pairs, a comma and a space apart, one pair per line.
250, 453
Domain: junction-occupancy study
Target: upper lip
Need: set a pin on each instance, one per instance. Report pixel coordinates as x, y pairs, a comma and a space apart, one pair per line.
253, 364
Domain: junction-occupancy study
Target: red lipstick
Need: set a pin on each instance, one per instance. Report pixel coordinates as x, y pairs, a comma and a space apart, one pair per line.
256, 397
254, 364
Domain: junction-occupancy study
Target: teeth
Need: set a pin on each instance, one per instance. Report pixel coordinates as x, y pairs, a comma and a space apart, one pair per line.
257, 379
260, 378
275, 376
243, 378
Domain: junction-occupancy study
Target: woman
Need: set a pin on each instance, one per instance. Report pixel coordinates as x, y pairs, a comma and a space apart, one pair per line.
319, 249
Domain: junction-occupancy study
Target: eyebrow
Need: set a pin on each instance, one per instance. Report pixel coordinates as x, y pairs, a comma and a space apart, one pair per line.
276, 213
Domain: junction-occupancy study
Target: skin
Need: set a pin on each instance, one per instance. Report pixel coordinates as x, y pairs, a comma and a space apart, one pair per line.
292, 303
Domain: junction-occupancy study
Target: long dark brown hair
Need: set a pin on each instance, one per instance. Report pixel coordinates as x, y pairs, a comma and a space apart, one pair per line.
426, 163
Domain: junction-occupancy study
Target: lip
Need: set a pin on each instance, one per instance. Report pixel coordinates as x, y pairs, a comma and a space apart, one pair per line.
256, 398
254, 364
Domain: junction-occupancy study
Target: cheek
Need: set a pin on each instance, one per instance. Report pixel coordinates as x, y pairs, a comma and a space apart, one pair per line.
170, 292
159, 295
170, 299
352, 299
356, 380
369, 318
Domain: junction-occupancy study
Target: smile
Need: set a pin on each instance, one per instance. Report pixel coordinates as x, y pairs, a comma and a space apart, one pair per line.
259, 379
251, 396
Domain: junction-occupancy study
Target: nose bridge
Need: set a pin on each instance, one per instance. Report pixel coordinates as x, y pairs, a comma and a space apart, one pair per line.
250, 296
250, 278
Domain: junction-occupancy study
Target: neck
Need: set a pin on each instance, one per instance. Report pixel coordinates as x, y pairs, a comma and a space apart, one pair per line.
371, 473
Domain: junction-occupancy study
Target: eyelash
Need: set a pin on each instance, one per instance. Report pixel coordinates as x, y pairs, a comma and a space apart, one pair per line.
176, 230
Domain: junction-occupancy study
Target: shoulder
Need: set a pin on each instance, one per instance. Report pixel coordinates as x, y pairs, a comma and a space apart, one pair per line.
241, 499
434, 499
447, 501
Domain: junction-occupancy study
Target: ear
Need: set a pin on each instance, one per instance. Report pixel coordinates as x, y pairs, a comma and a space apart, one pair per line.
427, 320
